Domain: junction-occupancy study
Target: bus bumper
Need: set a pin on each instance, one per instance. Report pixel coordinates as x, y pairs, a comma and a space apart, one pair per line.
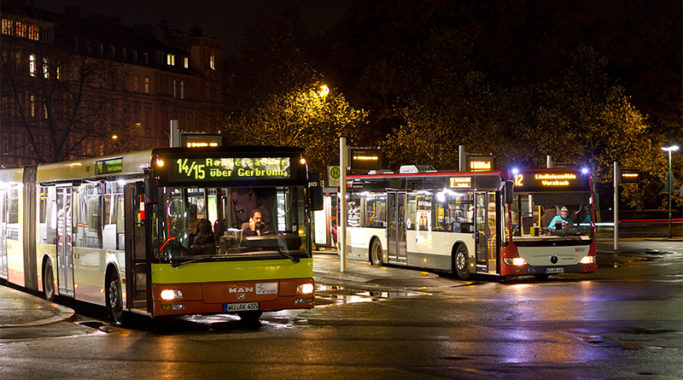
233, 296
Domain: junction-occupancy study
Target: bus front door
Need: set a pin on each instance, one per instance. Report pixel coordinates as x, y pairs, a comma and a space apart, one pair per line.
396, 231
136, 247
3, 234
485, 209
65, 258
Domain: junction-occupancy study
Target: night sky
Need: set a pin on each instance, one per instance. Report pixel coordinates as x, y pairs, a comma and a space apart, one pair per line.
225, 20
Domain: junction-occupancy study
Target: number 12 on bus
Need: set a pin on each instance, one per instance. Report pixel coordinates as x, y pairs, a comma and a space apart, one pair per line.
530, 222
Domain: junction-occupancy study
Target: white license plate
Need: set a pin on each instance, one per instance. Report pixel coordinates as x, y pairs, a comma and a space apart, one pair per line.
554, 270
229, 307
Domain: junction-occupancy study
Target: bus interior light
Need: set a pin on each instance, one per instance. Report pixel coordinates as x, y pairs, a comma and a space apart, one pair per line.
588, 260
171, 294
306, 288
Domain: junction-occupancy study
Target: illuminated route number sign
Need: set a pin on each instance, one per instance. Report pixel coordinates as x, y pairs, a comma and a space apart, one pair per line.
212, 169
550, 181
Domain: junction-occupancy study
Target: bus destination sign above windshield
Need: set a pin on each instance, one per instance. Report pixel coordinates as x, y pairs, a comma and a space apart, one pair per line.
550, 181
211, 169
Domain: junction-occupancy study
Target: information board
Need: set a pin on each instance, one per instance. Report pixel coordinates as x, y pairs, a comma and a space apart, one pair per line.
212, 169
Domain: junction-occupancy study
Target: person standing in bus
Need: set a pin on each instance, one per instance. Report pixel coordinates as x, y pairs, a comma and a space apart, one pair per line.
562, 219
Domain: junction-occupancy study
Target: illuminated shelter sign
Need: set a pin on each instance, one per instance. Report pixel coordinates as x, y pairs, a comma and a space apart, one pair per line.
366, 159
108, 166
550, 181
460, 182
212, 169
480, 163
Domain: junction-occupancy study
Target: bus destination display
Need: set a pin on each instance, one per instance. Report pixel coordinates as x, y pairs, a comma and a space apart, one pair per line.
558, 181
228, 168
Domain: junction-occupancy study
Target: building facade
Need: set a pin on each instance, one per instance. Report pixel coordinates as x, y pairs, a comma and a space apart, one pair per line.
75, 87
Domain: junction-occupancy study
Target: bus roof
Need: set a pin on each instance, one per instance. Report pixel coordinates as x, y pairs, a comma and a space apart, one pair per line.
106, 166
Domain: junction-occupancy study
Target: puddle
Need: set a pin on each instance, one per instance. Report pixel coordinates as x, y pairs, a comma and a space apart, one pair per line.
335, 294
97, 325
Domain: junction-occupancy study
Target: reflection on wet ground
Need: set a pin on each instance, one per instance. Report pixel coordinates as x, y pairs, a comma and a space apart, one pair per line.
335, 295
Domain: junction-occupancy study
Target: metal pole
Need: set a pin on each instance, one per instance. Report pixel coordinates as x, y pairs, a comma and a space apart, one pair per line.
341, 238
671, 190
616, 205
548, 162
462, 159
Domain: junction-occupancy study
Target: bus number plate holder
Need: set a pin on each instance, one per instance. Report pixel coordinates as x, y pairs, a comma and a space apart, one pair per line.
554, 270
244, 306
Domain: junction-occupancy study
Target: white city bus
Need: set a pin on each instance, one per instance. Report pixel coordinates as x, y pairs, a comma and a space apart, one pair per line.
461, 222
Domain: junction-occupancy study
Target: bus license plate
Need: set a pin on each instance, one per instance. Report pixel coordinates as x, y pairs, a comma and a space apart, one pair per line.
245, 306
554, 270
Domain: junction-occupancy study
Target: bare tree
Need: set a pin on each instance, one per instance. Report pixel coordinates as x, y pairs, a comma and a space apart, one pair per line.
63, 103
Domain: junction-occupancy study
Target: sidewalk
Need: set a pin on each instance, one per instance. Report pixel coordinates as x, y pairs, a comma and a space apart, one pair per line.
22, 309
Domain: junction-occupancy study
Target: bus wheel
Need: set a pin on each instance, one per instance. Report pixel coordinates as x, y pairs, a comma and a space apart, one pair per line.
48, 282
114, 299
376, 252
460, 264
250, 316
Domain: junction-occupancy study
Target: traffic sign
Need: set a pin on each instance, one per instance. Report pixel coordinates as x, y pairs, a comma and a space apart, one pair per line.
333, 174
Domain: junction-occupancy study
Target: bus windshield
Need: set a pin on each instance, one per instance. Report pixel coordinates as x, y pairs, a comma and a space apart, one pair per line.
546, 214
214, 223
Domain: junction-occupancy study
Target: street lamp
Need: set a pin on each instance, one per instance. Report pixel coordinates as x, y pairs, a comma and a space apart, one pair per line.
670, 180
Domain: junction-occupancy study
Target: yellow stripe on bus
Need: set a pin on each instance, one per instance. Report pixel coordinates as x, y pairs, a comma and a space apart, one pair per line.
231, 271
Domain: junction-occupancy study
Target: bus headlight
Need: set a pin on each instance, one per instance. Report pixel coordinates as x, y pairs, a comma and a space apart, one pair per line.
516, 261
171, 294
588, 260
306, 288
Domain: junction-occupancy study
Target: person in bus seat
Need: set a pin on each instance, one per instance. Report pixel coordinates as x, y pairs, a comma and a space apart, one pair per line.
204, 241
255, 226
562, 219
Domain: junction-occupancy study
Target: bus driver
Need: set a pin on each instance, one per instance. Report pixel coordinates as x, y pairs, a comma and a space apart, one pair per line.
562, 219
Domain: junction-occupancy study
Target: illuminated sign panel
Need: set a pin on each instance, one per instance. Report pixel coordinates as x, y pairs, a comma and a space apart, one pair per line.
479, 163
630, 176
465, 182
365, 159
110, 165
211, 169
200, 140
550, 181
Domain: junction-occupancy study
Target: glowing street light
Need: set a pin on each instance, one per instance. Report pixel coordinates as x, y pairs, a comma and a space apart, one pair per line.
669, 182
324, 90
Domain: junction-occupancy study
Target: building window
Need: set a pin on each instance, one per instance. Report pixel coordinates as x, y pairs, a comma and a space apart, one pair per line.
59, 72
32, 105
135, 55
182, 90
46, 72
33, 32
20, 29
186, 62
145, 57
112, 51
146, 85
135, 82
32, 65
101, 49
170, 59
7, 26
212, 62
174, 89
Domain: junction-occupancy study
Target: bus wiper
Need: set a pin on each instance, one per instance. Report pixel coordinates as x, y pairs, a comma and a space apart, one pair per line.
176, 264
287, 255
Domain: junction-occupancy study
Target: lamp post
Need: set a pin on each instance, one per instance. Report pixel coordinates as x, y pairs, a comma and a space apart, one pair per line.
670, 180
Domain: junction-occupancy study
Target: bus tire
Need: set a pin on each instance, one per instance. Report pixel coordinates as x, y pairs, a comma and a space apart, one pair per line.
461, 261
375, 252
251, 316
48, 282
114, 300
